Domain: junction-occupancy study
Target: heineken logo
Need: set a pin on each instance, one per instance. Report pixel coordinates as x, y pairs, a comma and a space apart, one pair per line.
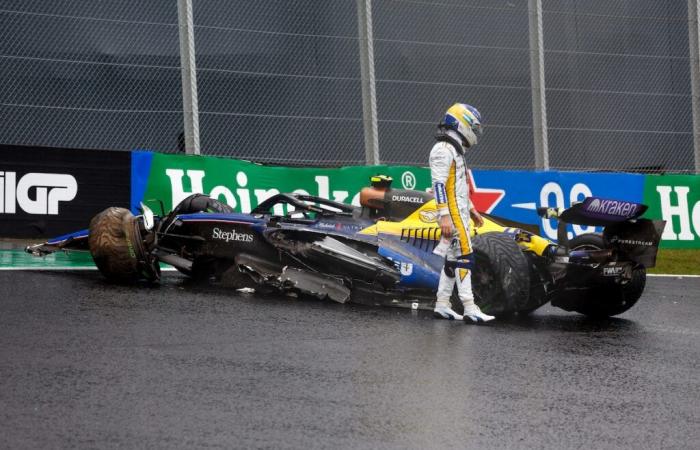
682, 216
184, 183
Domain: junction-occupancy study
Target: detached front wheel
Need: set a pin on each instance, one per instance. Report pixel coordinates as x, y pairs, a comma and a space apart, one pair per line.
117, 247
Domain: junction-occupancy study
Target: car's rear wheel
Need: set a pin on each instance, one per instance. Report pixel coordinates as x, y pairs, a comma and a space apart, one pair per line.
611, 300
588, 241
118, 249
500, 279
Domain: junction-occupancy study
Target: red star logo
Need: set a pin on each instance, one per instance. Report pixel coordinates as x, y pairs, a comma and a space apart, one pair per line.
484, 200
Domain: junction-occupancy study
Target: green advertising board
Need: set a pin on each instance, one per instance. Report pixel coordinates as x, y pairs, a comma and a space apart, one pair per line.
675, 199
243, 185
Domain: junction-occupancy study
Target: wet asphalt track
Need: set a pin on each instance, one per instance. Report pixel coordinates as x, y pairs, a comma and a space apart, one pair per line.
88, 365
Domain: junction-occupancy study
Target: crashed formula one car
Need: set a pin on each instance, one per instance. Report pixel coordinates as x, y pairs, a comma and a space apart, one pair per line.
381, 253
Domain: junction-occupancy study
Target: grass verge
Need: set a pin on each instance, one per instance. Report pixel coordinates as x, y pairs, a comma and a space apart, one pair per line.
675, 261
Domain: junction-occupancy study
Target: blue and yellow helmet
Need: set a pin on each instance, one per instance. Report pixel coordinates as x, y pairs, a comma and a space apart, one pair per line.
465, 120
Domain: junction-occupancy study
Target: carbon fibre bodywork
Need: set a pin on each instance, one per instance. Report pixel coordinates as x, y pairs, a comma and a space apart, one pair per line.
382, 252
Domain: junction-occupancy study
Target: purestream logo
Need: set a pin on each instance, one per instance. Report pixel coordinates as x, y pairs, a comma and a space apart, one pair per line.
612, 207
232, 235
35, 193
638, 242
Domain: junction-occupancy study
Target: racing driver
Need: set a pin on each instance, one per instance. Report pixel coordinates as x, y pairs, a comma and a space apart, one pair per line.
456, 133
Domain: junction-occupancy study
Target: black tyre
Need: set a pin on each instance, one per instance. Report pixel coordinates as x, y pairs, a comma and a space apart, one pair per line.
201, 203
588, 241
117, 249
611, 300
501, 278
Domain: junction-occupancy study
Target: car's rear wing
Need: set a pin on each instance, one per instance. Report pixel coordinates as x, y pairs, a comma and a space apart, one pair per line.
635, 238
595, 211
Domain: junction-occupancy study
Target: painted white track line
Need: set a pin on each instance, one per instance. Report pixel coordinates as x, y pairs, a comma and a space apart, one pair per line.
671, 275
172, 269
67, 268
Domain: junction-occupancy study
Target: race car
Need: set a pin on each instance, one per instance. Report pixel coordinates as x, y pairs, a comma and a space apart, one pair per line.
380, 253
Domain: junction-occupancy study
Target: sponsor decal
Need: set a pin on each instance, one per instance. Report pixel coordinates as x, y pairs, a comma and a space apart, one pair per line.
612, 207
408, 180
48, 192
515, 195
232, 235
428, 216
528, 191
675, 199
406, 198
440, 194
406, 269
241, 196
675, 205
244, 185
518, 234
36, 193
613, 271
484, 199
616, 240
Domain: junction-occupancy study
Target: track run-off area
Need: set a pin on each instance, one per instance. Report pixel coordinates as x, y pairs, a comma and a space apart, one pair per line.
87, 364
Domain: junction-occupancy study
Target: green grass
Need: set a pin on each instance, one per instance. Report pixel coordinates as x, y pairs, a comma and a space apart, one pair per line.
686, 262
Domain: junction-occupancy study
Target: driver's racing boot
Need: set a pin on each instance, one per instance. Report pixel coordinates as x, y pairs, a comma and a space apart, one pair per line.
473, 314
443, 311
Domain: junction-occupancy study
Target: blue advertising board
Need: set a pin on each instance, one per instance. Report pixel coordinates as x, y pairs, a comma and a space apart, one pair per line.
521, 193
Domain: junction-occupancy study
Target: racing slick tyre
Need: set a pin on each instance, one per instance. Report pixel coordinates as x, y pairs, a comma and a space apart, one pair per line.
617, 299
501, 277
117, 247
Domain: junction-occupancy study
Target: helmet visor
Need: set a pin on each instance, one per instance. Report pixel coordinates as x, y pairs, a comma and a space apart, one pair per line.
472, 119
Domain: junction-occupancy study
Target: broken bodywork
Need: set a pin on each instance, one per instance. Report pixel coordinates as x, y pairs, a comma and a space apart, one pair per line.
378, 253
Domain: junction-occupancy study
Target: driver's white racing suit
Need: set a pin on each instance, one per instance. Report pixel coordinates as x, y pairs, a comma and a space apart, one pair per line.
451, 189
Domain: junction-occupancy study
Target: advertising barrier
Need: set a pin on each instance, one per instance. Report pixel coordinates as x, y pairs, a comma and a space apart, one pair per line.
525, 191
515, 195
51, 191
243, 185
676, 199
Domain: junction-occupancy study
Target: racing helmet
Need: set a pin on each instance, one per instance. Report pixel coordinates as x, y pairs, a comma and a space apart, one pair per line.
465, 120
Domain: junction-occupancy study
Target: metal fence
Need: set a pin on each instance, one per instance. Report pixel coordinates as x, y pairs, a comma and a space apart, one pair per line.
565, 84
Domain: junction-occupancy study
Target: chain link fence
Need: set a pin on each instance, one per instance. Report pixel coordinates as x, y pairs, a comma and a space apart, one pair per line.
299, 82
84, 74
279, 80
618, 85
